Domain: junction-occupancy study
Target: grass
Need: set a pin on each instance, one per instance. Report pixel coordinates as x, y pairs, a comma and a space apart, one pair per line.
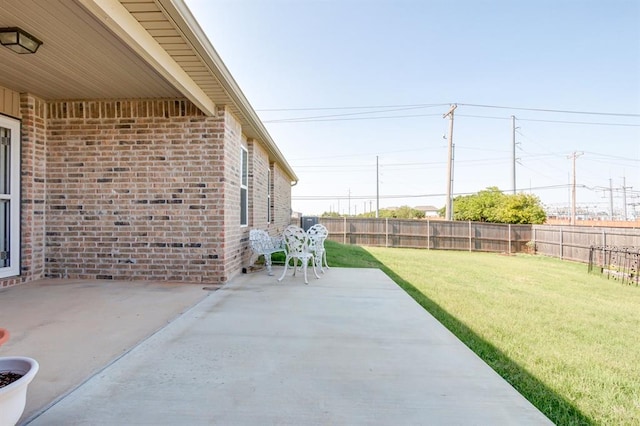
567, 340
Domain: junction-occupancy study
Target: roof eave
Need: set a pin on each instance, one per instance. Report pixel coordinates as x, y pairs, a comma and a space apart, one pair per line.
118, 19
186, 22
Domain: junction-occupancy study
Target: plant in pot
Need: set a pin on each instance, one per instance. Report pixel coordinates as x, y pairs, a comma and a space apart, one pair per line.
16, 372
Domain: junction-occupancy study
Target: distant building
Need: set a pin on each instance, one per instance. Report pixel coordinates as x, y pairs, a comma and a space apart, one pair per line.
429, 211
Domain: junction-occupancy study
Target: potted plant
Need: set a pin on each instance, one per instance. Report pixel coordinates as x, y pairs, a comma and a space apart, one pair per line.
16, 373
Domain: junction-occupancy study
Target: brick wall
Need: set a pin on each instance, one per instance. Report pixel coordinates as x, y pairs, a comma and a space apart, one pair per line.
259, 177
134, 191
236, 237
282, 198
138, 190
33, 187
32, 190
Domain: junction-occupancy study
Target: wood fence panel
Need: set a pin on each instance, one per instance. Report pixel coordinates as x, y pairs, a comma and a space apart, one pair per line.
408, 233
437, 234
520, 237
574, 242
565, 242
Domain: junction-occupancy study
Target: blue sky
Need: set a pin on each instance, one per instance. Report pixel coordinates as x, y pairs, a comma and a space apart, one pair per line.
341, 82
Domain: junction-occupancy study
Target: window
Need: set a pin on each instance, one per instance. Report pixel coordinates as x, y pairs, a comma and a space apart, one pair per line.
268, 195
244, 186
9, 197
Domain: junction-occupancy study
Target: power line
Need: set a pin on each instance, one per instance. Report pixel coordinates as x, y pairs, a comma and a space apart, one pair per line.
613, 114
337, 117
591, 123
314, 120
550, 110
360, 154
354, 107
396, 196
344, 114
614, 157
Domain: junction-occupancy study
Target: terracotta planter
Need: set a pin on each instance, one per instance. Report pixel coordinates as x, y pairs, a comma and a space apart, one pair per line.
4, 335
13, 397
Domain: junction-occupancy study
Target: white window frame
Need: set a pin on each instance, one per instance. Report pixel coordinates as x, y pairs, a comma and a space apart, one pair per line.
244, 185
269, 174
13, 197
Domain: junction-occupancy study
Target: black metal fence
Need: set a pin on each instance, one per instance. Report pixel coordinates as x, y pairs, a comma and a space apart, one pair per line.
575, 242
618, 263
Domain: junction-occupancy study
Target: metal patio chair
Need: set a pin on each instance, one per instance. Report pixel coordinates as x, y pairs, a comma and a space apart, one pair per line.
297, 242
264, 244
317, 235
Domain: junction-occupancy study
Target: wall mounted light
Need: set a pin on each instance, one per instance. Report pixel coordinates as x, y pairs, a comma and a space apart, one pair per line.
19, 40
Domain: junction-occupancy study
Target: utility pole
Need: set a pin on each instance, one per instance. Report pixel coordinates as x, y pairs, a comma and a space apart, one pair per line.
573, 156
349, 202
377, 189
513, 144
449, 201
624, 197
610, 199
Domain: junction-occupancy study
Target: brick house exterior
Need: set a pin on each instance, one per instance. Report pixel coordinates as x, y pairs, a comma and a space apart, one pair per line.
144, 188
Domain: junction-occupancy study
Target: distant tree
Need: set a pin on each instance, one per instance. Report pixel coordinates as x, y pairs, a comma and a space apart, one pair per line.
367, 215
481, 207
330, 214
491, 205
406, 212
403, 212
523, 208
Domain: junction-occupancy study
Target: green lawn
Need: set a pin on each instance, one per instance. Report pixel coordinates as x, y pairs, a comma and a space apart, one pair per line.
567, 340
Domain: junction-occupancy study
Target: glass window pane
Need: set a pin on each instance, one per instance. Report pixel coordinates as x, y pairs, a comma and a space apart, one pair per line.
5, 160
245, 168
5, 240
243, 206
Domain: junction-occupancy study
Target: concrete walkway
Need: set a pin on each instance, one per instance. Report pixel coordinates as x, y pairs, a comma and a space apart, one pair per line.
73, 328
351, 348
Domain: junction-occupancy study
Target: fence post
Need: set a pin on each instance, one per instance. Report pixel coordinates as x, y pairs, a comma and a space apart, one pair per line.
469, 235
604, 238
428, 235
533, 236
386, 232
344, 227
509, 238
561, 245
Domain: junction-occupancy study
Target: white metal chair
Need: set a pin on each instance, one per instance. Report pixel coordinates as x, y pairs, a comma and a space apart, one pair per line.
263, 244
317, 235
297, 242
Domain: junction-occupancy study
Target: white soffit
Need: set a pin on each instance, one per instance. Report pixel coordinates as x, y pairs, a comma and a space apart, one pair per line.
118, 19
124, 49
80, 57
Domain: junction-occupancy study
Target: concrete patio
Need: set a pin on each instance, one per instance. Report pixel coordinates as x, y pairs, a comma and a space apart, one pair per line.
350, 348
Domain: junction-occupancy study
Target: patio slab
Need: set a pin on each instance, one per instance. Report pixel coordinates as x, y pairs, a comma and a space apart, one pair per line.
350, 348
74, 328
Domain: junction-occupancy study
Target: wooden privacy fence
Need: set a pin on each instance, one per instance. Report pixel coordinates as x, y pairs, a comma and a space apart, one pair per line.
575, 242
429, 234
564, 242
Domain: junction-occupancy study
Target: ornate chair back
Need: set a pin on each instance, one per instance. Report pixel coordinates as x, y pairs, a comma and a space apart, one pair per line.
317, 235
297, 242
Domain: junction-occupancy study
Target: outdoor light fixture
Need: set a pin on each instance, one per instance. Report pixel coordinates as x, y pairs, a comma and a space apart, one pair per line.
19, 40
